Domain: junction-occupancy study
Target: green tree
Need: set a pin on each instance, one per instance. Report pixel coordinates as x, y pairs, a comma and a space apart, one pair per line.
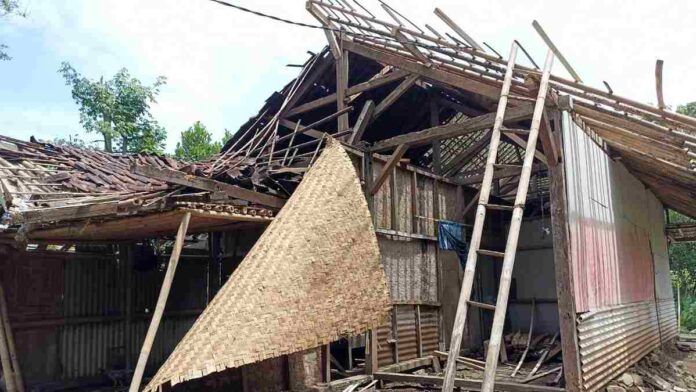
689, 109
118, 109
7, 9
196, 144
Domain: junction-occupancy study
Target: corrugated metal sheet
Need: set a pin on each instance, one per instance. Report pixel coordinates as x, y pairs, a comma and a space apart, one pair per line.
613, 339
406, 332
667, 314
430, 329
610, 218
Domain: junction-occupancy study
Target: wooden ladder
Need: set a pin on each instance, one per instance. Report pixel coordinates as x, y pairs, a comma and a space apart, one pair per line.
508, 256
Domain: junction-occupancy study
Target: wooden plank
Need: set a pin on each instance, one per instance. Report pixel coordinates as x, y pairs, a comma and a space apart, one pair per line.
565, 287
469, 385
350, 91
449, 78
410, 46
361, 123
523, 143
452, 130
388, 167
547, 141
395, 94
181, 178
10, 375
341, 86
161, 302
501, 173
315, 73
434, 122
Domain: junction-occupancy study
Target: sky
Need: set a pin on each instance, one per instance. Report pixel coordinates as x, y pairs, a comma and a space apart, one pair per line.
221, 64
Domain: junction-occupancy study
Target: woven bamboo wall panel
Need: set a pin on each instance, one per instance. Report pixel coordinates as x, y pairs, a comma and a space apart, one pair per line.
320, 254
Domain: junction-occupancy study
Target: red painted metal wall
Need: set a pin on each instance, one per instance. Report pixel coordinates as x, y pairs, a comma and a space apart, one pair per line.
612, 219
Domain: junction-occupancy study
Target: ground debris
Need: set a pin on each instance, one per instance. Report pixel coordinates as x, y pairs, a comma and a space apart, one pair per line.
662, 370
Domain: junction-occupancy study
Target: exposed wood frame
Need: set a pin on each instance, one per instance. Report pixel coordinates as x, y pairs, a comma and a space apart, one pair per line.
395, 94
350, 91
301, 130
658, 84
556, 51
434, 122
315, 73
501, 173
523, 143
465, 156
388, 168
181, 178
161, 302
453, 130
403, 62
406, 43
361, 123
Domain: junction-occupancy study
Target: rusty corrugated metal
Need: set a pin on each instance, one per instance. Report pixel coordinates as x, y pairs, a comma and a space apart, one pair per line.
406, 332
613, 339
430, 329
611, 218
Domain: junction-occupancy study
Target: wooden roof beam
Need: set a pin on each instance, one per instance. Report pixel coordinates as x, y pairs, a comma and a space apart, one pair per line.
207, 184
395, 95
350, 91
448, 131
450, 78
388, 168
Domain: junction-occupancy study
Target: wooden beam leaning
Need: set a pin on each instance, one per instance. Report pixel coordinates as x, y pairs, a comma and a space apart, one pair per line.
410, 46
522, 143
395, 94
161, 302
453, 130
450, 23
465, 156
555, 51
388, 166
181, 178
357, 89
361, 123
449, 78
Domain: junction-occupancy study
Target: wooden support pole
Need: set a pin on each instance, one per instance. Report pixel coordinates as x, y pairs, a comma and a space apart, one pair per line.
388, 166
161, 302
126, 255
341, 86
529, 340
547, 141
658, 84
8, 354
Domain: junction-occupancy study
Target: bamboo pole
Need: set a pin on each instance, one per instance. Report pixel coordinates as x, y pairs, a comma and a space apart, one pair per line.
10, 341
161, 301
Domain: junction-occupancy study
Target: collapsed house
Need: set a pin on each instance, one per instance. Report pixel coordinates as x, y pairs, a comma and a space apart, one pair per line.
507, 205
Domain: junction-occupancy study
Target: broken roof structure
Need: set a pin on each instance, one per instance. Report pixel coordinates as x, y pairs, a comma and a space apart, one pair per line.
547, 174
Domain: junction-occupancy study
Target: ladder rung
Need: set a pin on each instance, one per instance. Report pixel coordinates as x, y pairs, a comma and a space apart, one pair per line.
516, 131
499, 207
481, 305
494, 253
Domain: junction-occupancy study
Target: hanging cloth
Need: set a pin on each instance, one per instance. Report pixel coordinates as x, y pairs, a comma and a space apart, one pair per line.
450, 236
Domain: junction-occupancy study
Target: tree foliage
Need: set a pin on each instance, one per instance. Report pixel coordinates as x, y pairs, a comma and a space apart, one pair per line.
196, 144
8, 8
688, 109
118, 109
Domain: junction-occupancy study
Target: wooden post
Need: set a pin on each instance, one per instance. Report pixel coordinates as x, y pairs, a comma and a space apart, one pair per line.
12, 351
161, 302
126, 254
434, 122
341, 86
5, 360
372, 353
565, 287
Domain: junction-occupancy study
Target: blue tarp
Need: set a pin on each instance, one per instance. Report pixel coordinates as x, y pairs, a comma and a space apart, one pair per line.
450, 236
